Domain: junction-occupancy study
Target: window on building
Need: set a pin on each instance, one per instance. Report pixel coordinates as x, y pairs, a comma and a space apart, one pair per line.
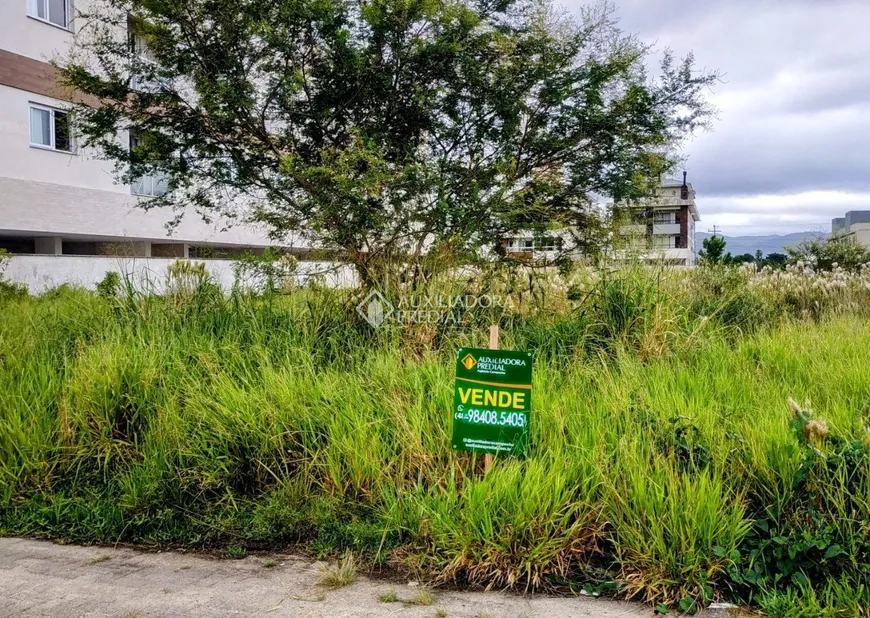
56, 12
529, 245
663, 242
50, 128
663, 217
637, 216
143, 64
548, 243
153, 185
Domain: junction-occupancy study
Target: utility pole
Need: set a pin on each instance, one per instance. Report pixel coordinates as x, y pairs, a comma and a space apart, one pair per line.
716, 230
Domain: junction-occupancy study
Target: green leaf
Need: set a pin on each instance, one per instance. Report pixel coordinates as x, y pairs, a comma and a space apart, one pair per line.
719, 551
833, 550
689, 606
662, 609
800, 579
736, 577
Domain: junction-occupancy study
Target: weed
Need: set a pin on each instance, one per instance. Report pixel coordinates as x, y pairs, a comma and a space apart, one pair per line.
441, 613
664, 463
268, 564
423, 596
99, 559
110, 286
343, 573
389, 597
9, 290
235, 552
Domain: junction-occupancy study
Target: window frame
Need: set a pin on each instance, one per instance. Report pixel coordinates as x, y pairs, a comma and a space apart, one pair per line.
33, 13
52, 137
664, 217
525, 244
661, 242
140, 51
548, 244
155, 180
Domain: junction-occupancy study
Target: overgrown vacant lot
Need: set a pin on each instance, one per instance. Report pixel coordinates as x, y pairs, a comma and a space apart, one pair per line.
666, 461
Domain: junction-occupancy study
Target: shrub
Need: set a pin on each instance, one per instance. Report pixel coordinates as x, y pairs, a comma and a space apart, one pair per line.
827, 254
110, 285
270, 273
9, 290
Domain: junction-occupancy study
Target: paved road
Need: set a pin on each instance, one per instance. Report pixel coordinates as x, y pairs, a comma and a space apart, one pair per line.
38, 578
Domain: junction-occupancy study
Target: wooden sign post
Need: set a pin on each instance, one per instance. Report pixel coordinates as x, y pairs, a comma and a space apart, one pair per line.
493, 345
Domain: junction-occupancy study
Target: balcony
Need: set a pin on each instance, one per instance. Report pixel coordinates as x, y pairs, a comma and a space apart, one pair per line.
666, 228
633, 229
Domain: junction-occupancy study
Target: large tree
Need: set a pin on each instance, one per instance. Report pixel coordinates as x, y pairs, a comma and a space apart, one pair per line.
384, 129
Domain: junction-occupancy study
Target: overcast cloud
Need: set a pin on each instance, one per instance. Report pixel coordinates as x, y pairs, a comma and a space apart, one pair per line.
791, 146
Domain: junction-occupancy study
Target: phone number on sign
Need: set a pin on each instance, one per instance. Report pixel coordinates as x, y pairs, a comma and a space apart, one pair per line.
491, 417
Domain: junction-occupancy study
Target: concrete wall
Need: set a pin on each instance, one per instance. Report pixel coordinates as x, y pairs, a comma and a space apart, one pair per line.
46, 192
41, 273
855, 225
50, 193
47, 209
862, 237
18, 159
860, 234
30, 37
857, 217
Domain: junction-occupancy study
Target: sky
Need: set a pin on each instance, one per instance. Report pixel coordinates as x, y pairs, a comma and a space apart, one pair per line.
790, 146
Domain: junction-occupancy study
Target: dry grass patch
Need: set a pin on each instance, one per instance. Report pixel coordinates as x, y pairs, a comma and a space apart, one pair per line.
343, 573
424, 596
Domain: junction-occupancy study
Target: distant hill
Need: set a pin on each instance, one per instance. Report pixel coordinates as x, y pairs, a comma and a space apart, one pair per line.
738, 245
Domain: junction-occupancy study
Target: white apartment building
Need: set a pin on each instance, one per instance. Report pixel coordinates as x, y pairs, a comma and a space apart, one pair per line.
662, 227
58, 199
855, 226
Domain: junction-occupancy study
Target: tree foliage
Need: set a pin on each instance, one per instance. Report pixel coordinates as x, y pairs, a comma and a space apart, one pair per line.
775, 260
713, 251
828, 253
381, 128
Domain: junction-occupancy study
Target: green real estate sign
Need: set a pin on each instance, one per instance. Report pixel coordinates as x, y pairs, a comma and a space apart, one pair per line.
492, 403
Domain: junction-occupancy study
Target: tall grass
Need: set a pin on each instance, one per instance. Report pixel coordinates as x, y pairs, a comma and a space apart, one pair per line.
665, 462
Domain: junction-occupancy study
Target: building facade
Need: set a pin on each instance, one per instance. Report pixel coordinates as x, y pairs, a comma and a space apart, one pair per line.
56, 197
854, 226
662, 226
